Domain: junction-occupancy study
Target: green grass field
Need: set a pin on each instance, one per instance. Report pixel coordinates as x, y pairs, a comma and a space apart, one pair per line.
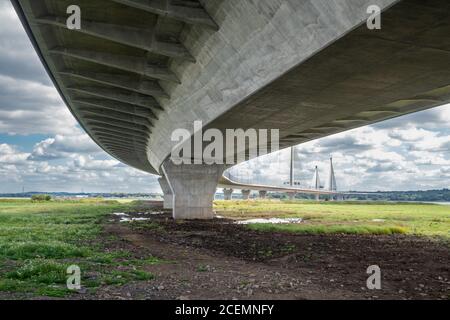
39, 240
344, 217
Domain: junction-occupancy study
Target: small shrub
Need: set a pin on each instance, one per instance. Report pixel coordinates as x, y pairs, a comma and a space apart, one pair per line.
41, 197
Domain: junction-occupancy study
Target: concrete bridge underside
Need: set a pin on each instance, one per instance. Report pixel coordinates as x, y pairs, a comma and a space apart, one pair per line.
138, 69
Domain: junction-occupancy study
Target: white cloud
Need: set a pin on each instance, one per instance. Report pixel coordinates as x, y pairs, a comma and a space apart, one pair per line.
90, 163
63, 146
28, 107
72, 171
29, 103
10, 156
411, 134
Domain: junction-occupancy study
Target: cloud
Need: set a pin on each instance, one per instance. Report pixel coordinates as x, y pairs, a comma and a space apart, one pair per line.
29, 103
28, 107
77, 167
432, 119
10, 156
343, 143
63, 146
90, 163
434, 144
411, 134
17, 56
384, 167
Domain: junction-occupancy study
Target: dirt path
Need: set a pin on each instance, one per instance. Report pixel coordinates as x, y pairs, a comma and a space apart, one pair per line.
220, 260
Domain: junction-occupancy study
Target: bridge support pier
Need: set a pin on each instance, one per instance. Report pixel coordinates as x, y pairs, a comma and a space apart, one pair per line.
291, 196
262, 194
317, 197
167, 193
227, 193
245, 194
193, 187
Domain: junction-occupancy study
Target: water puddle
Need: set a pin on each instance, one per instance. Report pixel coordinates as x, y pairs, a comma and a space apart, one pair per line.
133, 219
154, 213
126, 217
271, 220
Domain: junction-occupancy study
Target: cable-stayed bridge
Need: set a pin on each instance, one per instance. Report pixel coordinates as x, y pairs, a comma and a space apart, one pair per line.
233, 179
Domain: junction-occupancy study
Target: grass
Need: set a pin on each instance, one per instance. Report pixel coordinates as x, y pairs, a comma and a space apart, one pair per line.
344, 217
39, 240
307, 229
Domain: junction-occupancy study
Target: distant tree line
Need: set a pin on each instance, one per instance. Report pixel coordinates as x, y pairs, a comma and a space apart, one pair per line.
420, 196
429, 195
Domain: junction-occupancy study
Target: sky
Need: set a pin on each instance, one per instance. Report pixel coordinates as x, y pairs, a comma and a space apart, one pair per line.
42, 148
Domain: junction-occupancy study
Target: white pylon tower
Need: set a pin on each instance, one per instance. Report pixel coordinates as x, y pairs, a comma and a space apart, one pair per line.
291, 171
315, 184
332, 179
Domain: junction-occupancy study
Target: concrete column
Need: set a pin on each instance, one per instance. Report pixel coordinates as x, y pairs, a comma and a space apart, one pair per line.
317, 197
227, 194
291, 196
245, 194
168, 196
262, 194
193, 187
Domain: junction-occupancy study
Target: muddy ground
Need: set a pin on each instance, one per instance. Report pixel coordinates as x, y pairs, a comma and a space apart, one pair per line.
221, 260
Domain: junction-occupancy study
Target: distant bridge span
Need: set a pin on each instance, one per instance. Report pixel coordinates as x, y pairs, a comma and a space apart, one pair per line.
226, 182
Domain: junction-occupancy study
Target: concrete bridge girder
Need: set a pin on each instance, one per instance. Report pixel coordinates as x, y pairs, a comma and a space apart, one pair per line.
125, 82
167, 193
144, 39
139, 66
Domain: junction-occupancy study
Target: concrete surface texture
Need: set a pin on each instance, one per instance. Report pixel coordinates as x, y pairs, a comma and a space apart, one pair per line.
137, 70
245, 194
167, 193
193, 187
262, 194
227, 193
